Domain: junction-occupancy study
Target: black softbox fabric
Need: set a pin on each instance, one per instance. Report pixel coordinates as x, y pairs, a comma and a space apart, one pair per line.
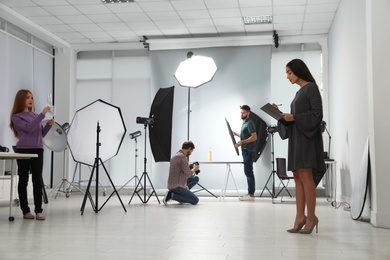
160, 132
262, 135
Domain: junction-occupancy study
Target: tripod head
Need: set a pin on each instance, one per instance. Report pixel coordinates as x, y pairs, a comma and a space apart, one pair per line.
272, 129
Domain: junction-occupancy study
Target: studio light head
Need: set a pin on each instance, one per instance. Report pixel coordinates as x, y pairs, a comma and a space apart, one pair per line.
323, 126
145, 120
135, 134
272, 129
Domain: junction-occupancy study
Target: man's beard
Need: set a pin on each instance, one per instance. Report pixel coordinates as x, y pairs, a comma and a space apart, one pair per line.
244, 117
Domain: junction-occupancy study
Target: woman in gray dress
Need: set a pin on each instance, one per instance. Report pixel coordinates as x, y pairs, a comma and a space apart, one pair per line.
305, 147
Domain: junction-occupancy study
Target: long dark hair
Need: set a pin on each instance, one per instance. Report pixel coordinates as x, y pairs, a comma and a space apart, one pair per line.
299, 68
19, 104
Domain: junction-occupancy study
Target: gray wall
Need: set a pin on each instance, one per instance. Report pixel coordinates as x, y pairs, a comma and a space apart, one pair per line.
243, 77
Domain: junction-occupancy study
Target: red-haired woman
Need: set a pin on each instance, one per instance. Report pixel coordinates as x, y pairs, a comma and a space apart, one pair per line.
27, 127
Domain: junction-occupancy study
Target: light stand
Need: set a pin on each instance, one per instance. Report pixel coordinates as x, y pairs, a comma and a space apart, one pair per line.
78, 165
95, 204
135, 177
323, 129
272, 175
144, 176
192, 73
61, 186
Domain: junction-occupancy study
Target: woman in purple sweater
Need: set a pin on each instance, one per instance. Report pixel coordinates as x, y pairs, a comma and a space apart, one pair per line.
27, 127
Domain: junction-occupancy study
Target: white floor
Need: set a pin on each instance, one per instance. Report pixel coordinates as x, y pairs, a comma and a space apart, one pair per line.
213, 229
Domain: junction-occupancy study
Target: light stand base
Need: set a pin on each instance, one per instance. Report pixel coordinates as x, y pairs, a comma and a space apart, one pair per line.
146, 197
95, 204
61, 187
136, 180
203, 188
272, 193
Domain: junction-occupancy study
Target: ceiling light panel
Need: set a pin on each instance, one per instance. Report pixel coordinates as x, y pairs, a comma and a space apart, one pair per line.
257, 19
116, 1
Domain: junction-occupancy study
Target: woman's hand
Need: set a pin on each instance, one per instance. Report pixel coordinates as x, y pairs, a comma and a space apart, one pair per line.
275, 106
288, 117
45, 110
51, 121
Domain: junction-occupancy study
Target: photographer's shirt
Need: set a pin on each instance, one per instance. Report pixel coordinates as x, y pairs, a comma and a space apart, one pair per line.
179, 171
248, 127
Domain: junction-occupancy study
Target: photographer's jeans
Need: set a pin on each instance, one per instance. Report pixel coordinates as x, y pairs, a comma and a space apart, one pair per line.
192, 181
248, 170
185, 195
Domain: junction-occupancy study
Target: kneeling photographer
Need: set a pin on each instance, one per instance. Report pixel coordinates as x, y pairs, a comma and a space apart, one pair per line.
182, 176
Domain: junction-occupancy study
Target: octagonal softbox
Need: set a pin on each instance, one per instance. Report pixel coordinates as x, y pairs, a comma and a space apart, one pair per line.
82, 134
195, 71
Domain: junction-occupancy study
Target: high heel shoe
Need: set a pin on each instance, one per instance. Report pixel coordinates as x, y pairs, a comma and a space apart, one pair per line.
298, 228
309, 230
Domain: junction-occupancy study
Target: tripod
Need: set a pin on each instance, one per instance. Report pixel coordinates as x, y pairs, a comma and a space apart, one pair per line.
203, 188
272, 175
135, 177
95, 204
144, 176
61, 185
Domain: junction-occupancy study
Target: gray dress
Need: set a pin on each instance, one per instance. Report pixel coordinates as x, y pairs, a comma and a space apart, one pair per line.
305, 145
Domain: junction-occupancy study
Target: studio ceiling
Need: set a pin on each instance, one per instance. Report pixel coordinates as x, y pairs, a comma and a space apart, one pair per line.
93, 22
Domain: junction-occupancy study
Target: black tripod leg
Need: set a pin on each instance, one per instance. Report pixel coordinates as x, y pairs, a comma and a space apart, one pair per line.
154, 191
44, 194
87, 193
203, 188
115, 191
265, 186
136, 189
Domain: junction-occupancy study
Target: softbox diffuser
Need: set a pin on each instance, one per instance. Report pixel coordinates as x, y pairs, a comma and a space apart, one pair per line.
262, 135
82, 134
160, 132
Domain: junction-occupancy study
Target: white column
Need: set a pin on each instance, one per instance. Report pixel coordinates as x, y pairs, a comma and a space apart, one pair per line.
378, 81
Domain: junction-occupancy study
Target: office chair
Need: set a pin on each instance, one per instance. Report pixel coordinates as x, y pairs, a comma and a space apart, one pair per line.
281, 171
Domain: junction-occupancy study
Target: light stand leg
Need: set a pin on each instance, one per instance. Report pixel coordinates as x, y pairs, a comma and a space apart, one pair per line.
61, 185
115, 190
95, 205
272, 175
144, 176
203, 188
72, 184
135, 177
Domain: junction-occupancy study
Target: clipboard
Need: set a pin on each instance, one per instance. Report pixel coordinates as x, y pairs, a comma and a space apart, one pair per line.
272, 111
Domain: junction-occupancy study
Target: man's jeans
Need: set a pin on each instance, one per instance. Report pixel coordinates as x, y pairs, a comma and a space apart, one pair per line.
185, 195
248, 170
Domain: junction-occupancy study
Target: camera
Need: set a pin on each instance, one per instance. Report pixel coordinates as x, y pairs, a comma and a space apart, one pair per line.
192, 166
272, 129
4, 149
144, 120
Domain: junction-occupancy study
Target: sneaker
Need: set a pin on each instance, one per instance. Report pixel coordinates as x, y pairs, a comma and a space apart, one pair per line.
167, 197
247, 197
28, 216
40, 216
